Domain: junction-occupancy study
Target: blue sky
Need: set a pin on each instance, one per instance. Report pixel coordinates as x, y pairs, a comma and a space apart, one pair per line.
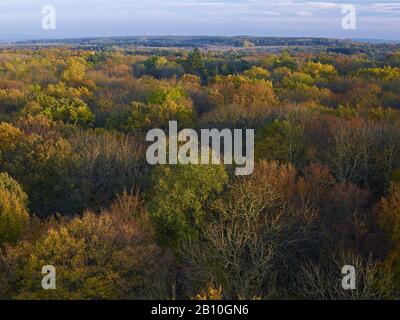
77, 18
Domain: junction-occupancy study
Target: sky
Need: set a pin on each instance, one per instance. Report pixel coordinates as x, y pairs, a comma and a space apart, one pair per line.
22, 19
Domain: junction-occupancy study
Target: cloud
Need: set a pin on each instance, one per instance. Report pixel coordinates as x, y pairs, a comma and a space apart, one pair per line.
303, 13
323, 5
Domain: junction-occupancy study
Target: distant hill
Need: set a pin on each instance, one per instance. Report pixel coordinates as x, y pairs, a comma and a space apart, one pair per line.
12, 38
191, 41
370, 47
376, 41
194, 41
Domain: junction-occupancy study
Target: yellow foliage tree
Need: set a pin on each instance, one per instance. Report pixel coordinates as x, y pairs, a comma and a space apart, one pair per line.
13, 212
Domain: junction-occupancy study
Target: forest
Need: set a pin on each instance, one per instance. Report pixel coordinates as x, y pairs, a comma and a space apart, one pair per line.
77, 193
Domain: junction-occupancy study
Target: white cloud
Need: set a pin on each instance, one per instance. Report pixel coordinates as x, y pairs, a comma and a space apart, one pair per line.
303, 13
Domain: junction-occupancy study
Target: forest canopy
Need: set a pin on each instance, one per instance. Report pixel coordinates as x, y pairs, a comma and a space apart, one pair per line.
76, 191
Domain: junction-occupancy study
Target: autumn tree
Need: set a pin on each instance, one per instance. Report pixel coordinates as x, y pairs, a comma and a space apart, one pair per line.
251, 236
13, 209
111, 255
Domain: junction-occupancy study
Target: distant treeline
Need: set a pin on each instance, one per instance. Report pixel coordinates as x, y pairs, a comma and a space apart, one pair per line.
331, 45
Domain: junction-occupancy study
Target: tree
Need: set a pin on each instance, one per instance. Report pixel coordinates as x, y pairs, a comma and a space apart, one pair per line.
364, 152
257, 73
388, 217
385, 73
388, 211
282, 61
196, 65
164, 105
60, 103
70, 111
177, 199
103, 165
319, 71
11, 102
40, 162
154, 64
298, 80
74, 72
111, 255
13, 209
239, 102
323, 281
281, 140
241, 90
252, 238
393, 59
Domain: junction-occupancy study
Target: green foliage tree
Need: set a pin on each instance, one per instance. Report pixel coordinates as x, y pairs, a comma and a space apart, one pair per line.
257, 73
178, 196
163, 105
160, 67
319, 71
70, 111
195, 65
282, 61
385, 73
298, 80
59, 103
281, 140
